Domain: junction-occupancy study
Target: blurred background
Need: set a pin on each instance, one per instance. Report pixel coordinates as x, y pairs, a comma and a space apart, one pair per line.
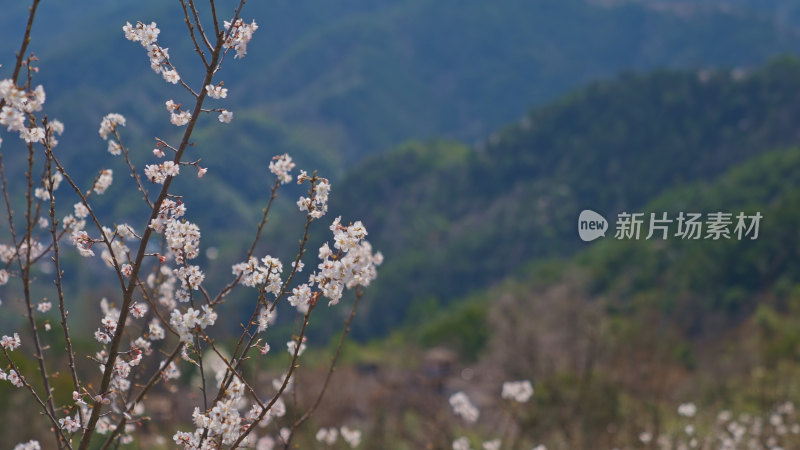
468, 136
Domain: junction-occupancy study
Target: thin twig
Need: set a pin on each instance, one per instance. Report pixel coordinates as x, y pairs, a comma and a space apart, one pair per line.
273, 194
60, 287
25, 270
286, 379
191, 33
211, 344
51, 416
331, 369
26, 39
134, 173
146, 388
199, 26
228, 376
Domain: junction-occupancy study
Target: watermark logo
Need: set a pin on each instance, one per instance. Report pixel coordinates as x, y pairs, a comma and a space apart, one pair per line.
591, 225
687, 226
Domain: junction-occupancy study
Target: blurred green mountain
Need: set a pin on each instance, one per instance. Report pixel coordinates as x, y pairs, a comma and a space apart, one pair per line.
362, 77
338, 83
451, 219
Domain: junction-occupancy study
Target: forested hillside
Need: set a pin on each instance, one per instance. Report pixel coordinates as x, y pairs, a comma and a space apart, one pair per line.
451, 219
626, 329
335, 83
360, 77
617, 335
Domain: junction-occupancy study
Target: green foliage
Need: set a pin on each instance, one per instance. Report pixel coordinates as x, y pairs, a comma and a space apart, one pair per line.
463, 328
612, 146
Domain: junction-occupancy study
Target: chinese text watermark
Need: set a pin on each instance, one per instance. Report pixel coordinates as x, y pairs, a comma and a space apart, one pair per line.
689, 226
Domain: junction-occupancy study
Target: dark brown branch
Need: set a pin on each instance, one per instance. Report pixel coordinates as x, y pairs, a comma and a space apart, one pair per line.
192, 33
137, 264
199, 26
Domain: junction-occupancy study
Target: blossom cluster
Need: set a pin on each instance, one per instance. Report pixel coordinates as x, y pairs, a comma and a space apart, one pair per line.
184, 324
110, 123
163, 284
18, 104
329, 436
317, 204
158, 173
70, 424
216, 91
224, 422
463, 407
147, 35
777, 429
519, 391
281, 165
10, 343
687, 409
239, 35
182, 239
266, 274
169, 211
116, 238
176, 116
291, 347
83, 242
104, 180
12, 377
353, 265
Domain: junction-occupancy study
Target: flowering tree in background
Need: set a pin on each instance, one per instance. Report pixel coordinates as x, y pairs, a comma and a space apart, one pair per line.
164, 319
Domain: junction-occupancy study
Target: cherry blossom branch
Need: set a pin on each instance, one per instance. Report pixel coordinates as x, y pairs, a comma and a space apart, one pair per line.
26, 39
25, 270
200, 27
232, 370
331, 370
134, 174
217, 30
273, 194
228, 377
145, 389
9, 209
292, 367
111, 399
137, 264
192, 34
95, 220
59, 283
62, 439
20, 57
235, 17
